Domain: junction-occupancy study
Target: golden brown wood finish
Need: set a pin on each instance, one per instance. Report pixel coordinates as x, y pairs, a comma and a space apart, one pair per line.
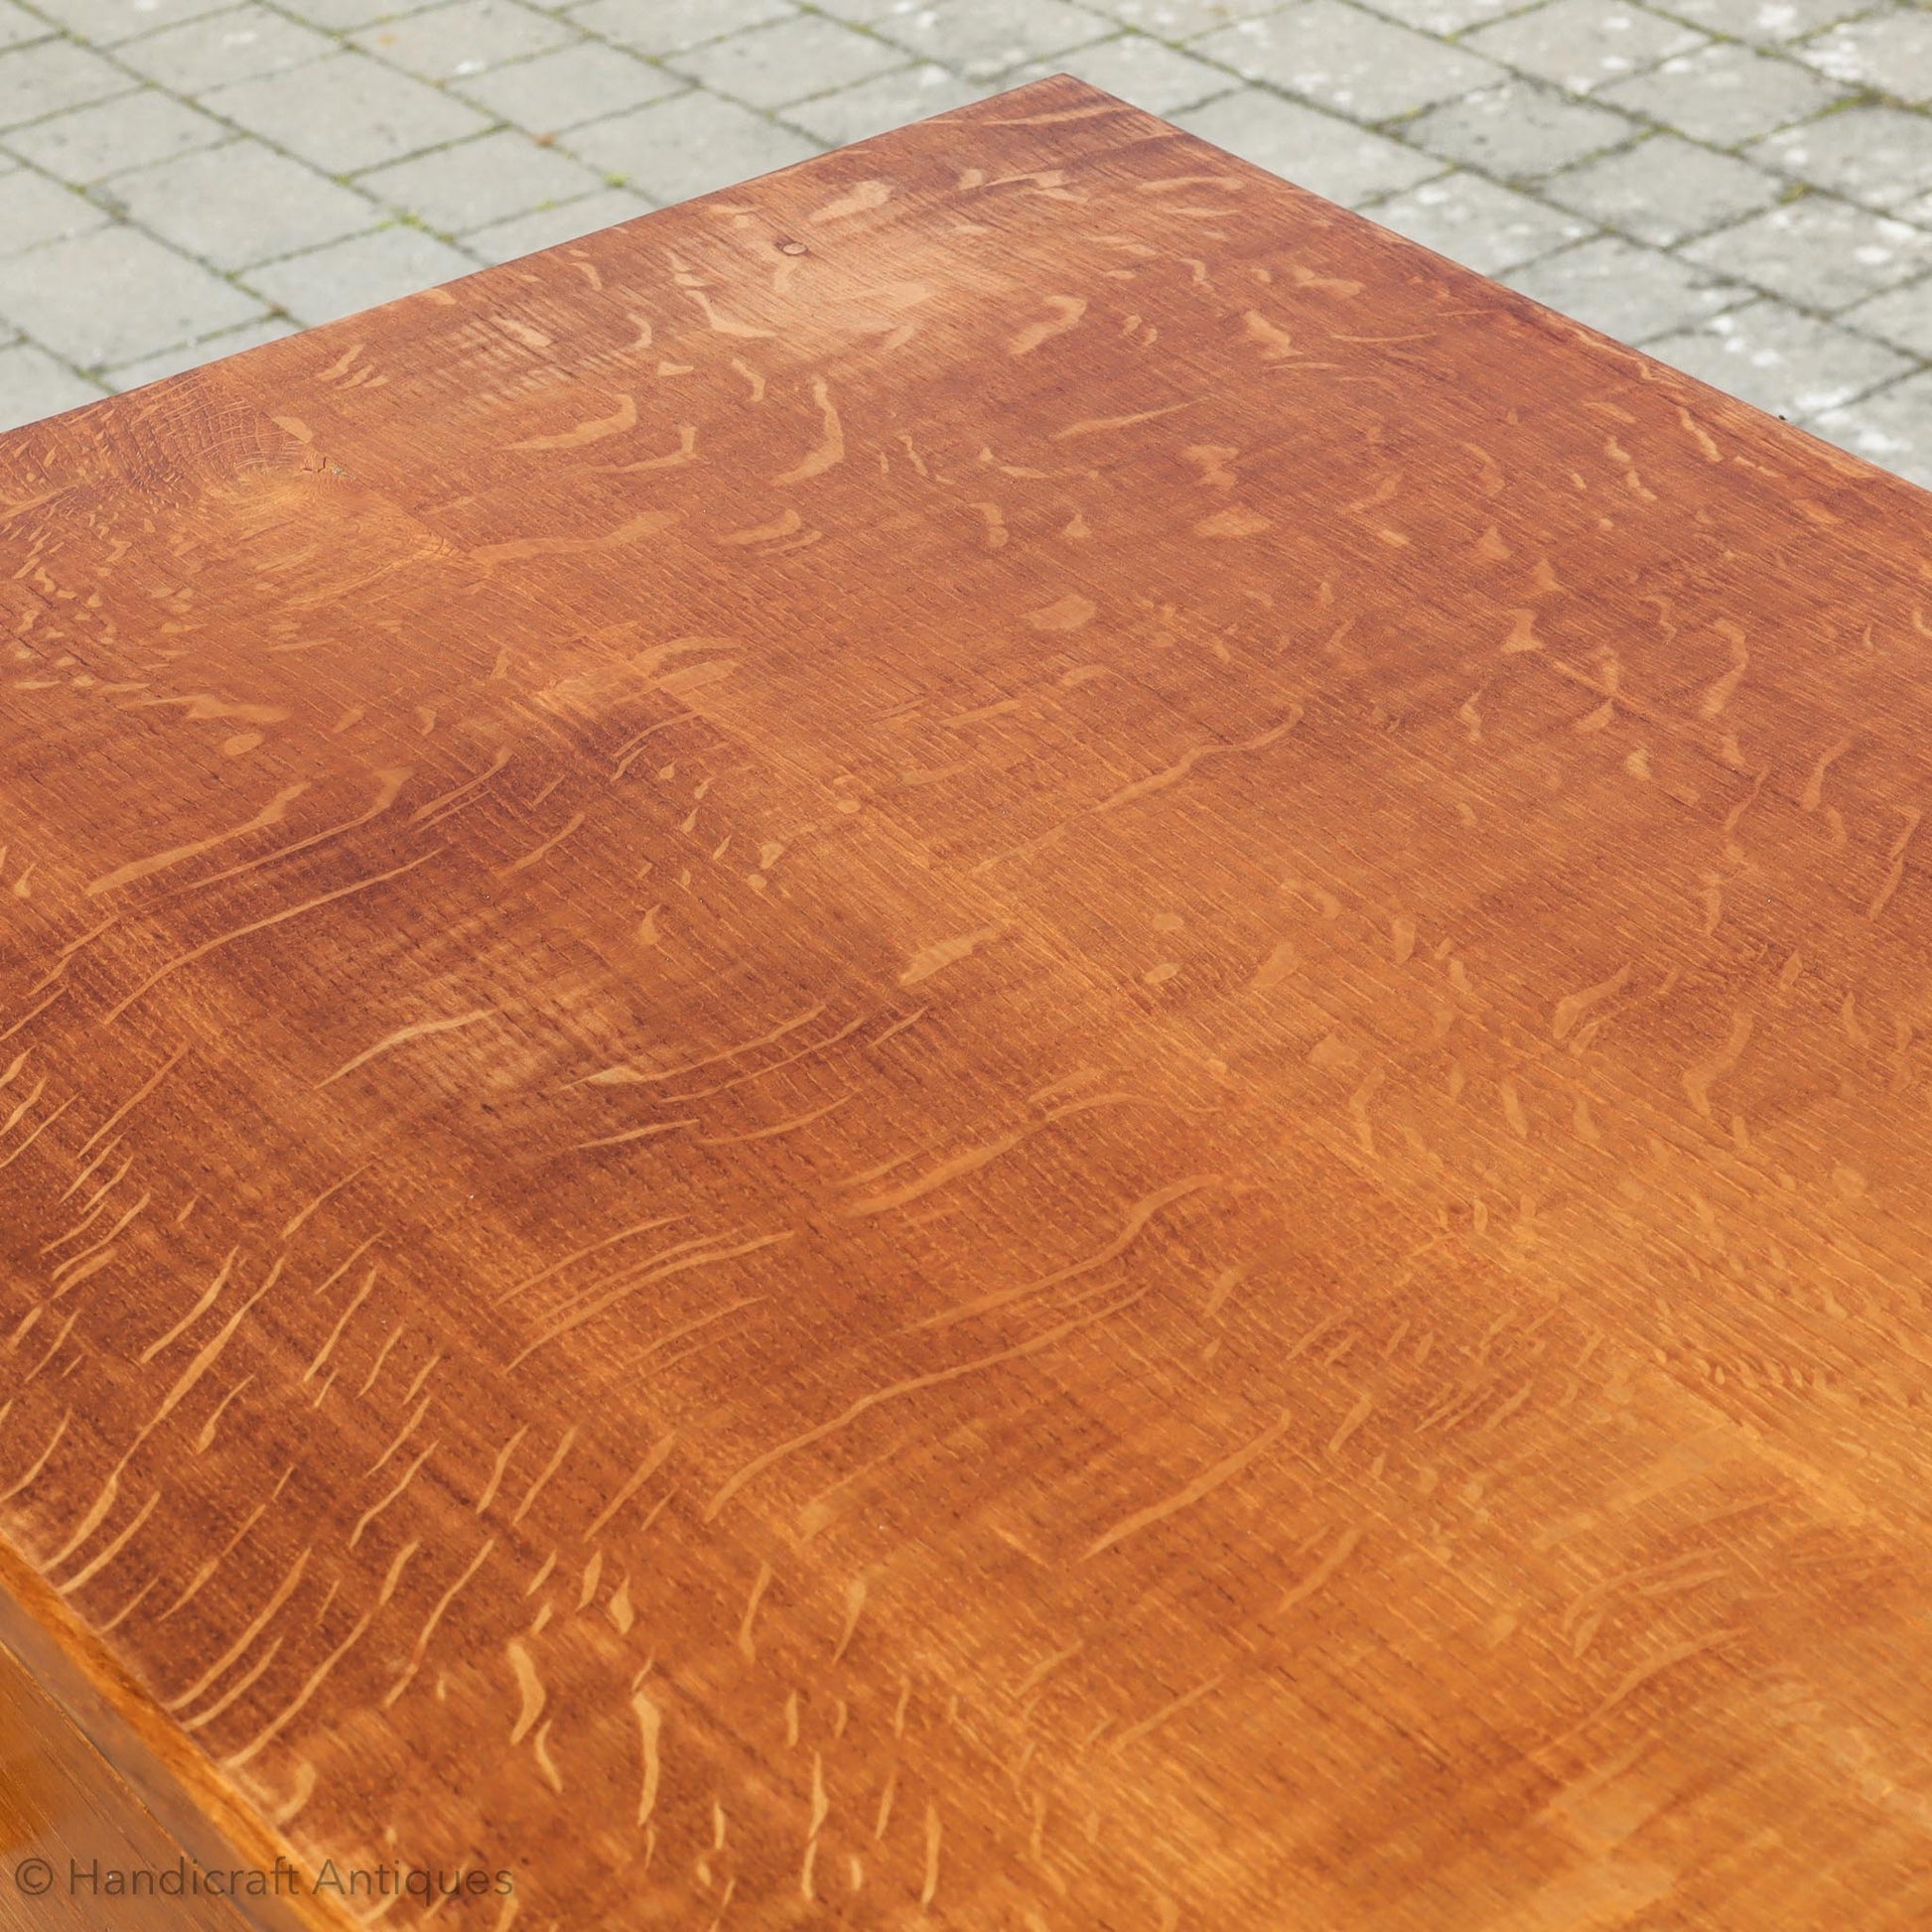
1001, 1038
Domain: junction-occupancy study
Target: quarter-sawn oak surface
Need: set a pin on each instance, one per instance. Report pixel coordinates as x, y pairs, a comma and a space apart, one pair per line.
1000, 1038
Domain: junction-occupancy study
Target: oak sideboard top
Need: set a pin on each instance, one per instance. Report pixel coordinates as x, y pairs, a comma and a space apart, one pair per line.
1001, 1038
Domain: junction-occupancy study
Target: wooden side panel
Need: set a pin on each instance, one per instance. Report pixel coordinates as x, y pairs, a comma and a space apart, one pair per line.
1003, 1037
79, 1851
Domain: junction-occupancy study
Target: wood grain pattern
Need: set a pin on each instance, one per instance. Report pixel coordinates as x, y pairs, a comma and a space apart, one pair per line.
1003, 1037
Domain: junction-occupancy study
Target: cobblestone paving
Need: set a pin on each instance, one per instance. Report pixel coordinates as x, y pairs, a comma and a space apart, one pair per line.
1742, 186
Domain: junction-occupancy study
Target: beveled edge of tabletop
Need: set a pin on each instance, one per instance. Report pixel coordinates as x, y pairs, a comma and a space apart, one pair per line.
179, 1786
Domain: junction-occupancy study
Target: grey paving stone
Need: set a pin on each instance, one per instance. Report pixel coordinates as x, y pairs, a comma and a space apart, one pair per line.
505, 241
856, 13
345, 113
1473, 221
1892, 427
1348, 60
1880, 156
1177, 19
18, 26
1764, 23
670, 26
1904, 318
359, 273
241, 203
447, 43
1791, 364
91, 143
490, 179
1819, 252
194, 356
1627, 292
1137, 68
105, 298
235, 46
873, 106
767, 66
1890, 49
1584, 44
1444, 16
677, 149
980, 38
558, 91
1663, 190
1724, 93
33, 209
103, 23
33, 387
49, 76
1519, 130
1329, 157
341, 16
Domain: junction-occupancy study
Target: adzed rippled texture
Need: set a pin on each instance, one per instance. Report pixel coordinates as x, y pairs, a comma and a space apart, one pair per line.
1000, 1038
